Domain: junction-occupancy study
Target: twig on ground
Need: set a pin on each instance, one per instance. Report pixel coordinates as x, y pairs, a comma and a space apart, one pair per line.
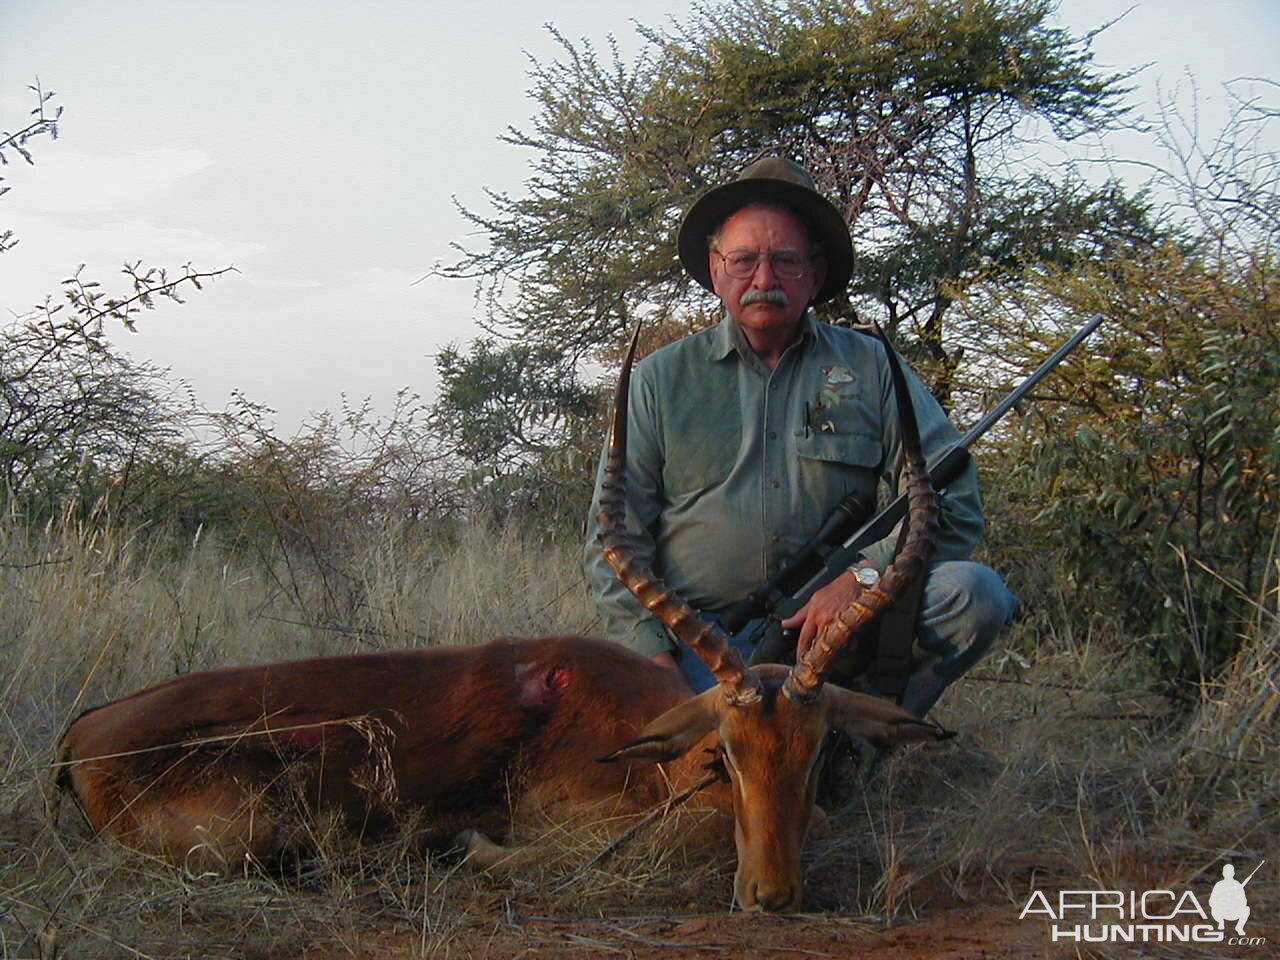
631, 830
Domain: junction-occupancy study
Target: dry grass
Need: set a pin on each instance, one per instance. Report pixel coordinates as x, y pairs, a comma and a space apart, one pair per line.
1067, 770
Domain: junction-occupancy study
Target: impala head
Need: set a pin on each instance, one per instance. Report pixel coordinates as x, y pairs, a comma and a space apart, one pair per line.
770, 750
771, 719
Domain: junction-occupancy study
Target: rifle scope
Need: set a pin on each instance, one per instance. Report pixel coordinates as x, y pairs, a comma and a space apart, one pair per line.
847, 516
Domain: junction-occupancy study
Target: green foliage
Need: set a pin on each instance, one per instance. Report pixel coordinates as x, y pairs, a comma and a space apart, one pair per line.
75, 415
72, 412
502, 404
525, 428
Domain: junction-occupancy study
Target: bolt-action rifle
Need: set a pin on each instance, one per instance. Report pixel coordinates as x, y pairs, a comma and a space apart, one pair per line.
840, 541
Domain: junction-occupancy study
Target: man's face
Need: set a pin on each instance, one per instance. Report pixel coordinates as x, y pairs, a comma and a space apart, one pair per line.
765, 230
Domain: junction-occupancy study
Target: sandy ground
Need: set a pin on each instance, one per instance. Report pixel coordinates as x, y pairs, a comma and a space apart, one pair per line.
980, 932
950, 932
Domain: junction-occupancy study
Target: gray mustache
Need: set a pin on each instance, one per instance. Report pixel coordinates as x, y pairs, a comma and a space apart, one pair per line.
776, 295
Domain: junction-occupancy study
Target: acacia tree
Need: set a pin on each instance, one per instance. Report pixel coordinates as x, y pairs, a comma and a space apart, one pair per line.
493, 409
71, 406
521, 417
913, 114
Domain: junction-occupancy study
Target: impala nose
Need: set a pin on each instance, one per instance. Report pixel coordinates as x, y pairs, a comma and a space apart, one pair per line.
771, 899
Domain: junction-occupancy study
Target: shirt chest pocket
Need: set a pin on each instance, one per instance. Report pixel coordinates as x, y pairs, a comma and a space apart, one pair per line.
840, 454
858, 450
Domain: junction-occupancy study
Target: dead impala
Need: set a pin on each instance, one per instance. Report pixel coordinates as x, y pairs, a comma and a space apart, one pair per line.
203, 768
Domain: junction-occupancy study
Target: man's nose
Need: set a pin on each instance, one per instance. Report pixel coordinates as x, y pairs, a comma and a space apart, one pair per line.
763, 276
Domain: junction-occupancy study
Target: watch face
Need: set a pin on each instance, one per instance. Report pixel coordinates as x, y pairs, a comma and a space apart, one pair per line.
868, 576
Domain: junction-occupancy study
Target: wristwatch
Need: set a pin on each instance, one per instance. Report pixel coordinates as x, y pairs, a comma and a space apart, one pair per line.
867, 576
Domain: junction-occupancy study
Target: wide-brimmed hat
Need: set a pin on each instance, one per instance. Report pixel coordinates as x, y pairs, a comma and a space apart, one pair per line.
769, 180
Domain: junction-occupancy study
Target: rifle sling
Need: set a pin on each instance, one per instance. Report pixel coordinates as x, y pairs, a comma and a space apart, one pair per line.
896, 637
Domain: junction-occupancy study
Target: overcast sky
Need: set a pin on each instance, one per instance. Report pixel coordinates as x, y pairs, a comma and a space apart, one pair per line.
317, 145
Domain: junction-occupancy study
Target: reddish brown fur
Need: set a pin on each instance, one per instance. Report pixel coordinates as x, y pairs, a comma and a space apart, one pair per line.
210, 768
470, 731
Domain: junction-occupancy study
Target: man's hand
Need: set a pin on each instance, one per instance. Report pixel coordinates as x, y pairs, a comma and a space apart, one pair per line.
821, 609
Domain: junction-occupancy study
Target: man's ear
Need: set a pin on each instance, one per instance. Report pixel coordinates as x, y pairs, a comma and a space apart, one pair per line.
674, 733
819, 276
877, 721
715, 270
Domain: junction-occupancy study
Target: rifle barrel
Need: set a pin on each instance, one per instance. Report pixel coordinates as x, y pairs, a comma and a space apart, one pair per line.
1027, 385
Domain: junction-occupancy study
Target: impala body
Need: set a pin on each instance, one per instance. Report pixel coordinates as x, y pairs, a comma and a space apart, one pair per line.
210, 765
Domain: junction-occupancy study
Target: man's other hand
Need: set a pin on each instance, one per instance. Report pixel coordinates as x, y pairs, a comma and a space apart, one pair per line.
823, 607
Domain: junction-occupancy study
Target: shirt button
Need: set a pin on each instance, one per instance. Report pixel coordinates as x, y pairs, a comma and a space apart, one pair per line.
773, 434
775, 538
776, 484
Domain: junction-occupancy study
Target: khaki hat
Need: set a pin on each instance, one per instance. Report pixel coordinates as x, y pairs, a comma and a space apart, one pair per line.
772, 180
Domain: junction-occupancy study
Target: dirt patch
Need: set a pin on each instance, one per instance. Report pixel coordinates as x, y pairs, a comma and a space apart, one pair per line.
938, 926
964, 933
969, 933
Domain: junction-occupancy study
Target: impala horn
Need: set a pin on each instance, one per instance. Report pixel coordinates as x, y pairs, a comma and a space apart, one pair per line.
703, 637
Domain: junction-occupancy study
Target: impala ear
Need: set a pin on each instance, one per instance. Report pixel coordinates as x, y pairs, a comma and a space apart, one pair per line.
674, 733
877, 721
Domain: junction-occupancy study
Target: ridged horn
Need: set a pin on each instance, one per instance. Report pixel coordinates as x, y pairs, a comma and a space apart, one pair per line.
805, 679
703, 637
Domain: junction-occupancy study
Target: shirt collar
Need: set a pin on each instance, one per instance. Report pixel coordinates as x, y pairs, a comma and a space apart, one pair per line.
727, 339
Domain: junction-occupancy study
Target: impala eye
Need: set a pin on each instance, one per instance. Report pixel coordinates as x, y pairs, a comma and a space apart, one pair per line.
814, 758
726, 759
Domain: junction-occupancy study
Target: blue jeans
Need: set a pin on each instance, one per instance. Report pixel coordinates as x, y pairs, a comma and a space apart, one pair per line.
695, 671
965, 606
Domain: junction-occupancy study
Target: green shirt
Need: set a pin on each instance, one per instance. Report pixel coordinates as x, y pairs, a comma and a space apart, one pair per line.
732, 466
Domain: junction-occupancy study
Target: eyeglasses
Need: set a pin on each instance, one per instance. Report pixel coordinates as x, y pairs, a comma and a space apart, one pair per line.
786, 264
